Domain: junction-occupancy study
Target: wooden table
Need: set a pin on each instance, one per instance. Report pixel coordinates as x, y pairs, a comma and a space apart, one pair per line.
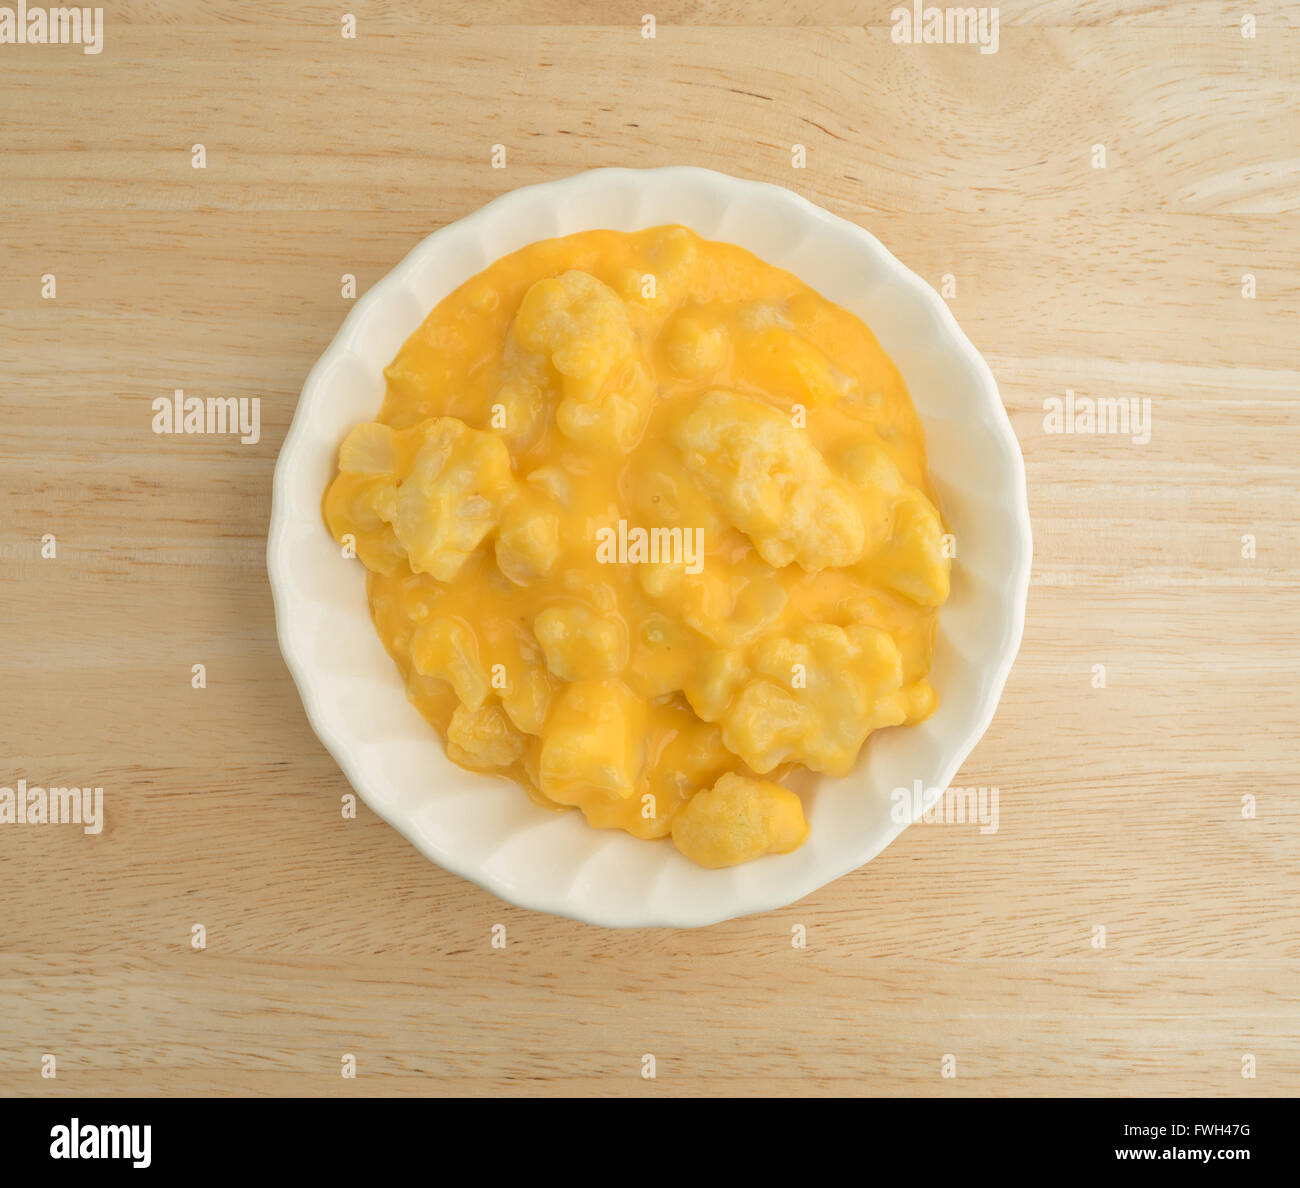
1121, 807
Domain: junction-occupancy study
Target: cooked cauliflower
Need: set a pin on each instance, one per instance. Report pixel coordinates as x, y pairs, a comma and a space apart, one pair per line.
593, 742
696, 346
511, 656
528, 538
447, 649
581, 326
912, 561
362, 501
453, 496
737, 820
713, 679
528, 700
579, 644
527, 391
770, 482
689, 755
815, 697
370, 449
904, 533
726, 603
483, 738
670, 261
753, 455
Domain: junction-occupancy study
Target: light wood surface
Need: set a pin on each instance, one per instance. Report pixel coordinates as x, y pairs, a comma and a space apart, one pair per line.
1120, 807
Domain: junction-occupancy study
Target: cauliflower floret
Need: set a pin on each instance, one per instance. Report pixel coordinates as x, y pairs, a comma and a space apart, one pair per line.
913, 633
713, 680
448, 649
672, 264
580, 645
369, 449
921, 700
874, 476
904, 534
668, 656
527, 700
757, 316
579, 323
687, 755
483, 738
593, 743
423, 370
362, 500
726, 603
815, 697
912, 561
770, 482
528, 538
526, 394
552, 482
458, 485
512, 657
737, 820
696, 345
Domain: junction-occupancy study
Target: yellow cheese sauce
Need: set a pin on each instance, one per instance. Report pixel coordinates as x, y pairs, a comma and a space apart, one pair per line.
647, 524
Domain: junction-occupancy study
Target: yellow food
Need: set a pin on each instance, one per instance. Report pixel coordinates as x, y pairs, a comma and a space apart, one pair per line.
645, 519
737, 820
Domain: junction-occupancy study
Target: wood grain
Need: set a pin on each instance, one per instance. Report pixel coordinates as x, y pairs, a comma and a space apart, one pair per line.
1120, 807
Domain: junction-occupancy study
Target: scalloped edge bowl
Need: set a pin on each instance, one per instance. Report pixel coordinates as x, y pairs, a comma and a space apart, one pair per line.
486, 829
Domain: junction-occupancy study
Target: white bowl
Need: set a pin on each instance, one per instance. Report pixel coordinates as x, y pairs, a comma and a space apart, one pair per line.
486, 829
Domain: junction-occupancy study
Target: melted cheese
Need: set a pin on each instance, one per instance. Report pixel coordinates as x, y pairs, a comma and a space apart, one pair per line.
676, 395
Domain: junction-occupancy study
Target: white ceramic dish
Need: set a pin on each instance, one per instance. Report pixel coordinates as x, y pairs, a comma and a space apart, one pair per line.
486, 829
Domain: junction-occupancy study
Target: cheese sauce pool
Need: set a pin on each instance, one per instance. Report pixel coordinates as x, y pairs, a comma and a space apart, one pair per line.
647, 524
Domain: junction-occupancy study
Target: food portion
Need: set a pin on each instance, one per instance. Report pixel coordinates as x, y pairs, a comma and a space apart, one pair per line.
647, 526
